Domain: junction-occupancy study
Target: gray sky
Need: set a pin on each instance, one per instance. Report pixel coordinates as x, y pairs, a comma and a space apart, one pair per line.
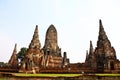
77, 22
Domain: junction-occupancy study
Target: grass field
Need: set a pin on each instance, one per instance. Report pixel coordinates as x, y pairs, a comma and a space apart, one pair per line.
107, 75
60, 75
45, 75
24, 76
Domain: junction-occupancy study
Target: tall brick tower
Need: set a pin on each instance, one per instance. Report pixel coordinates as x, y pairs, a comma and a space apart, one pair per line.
51, 43
34, 57
13, 62
105, 53
52, 52
91, 57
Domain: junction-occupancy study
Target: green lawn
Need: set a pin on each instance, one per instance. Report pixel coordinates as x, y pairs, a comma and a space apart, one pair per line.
60, 75
107, 74
45, 75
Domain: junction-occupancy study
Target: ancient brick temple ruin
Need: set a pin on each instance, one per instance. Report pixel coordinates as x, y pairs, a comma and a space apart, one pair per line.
101, 59
13, 62
47, 57
34, 57
52, 52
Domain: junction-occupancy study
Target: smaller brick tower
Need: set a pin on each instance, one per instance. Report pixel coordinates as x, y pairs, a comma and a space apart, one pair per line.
13, 62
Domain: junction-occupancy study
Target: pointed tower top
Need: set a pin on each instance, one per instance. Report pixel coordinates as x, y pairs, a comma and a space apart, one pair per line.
65, 55
51, 30
102, 35
91, 48
87, 56
52, 27
101, 29
36, 29
35, 43
100, 22
15, 49
103, 44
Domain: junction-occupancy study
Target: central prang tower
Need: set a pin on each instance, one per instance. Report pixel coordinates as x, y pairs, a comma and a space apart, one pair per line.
51, 43
52, 52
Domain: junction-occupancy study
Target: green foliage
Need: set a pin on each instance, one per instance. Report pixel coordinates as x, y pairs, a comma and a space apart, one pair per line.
2, 64
21, 53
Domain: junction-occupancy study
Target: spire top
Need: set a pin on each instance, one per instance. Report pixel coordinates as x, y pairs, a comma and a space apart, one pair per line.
103, 40
100, 22
91, 48
101, 29
52, 27
15, 49
35, 43
102, 33
87, 56
36, 29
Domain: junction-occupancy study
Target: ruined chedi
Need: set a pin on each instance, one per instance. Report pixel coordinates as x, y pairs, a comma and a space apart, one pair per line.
34, 57
13, 62
104, 56
90, 57
105, 53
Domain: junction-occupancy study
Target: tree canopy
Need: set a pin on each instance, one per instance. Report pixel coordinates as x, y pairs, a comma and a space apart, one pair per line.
21, 53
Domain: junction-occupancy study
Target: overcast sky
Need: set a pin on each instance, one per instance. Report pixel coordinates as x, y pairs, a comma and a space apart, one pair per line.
76, 21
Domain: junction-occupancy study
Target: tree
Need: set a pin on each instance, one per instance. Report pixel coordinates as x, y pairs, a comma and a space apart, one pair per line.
3, 65
21, 53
